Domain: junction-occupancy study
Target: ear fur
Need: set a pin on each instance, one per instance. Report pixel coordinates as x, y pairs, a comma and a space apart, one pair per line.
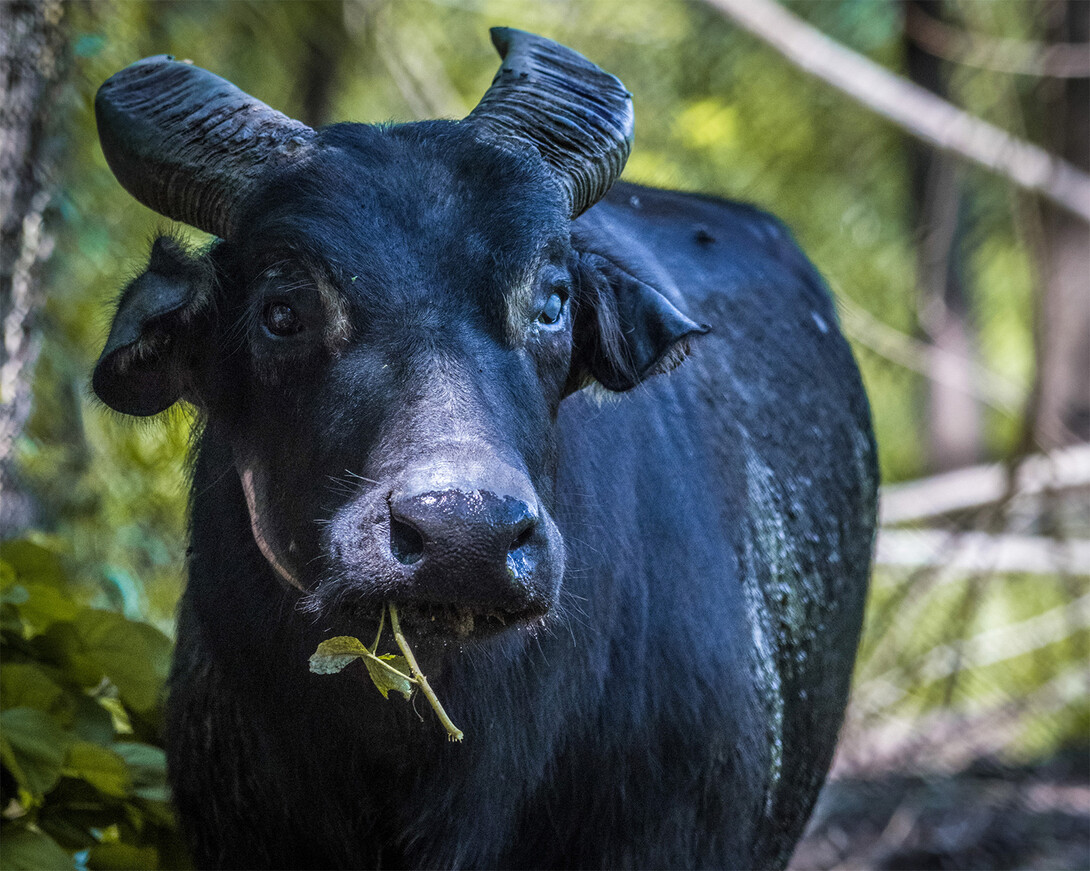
148, 359
625, 330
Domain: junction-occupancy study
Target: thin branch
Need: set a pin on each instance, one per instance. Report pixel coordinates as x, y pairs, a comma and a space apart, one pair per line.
453, 732
1058, 61
979, 552
914, 109
978, 486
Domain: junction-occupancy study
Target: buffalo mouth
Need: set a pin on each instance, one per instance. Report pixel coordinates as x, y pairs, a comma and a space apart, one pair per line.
427, 620
434, 622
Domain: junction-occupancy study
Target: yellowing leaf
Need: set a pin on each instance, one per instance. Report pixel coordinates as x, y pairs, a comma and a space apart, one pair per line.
385, 679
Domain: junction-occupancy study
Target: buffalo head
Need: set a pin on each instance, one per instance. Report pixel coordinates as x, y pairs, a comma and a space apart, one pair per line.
388, 323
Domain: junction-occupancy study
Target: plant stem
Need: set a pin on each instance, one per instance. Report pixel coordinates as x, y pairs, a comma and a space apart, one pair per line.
453, 731
378, 635
390, 668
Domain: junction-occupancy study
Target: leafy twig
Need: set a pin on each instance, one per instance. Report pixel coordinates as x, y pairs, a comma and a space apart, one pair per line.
453, 731
388, 671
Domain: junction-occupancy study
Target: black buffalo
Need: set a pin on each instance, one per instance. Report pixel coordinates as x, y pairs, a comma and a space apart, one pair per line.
419, 358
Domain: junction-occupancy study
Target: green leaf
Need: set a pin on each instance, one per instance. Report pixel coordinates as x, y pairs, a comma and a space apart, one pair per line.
135, 656
386, 680
38, 746
24, 685
29, 850
105, 770
33, 560
122, 857
334, 654
46, 604
147, 767
92, 722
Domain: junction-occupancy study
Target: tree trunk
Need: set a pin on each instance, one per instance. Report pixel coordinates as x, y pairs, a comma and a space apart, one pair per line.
1063, 401
954, 425
30, 61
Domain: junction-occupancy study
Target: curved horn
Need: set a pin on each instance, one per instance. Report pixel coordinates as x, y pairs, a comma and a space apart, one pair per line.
189, 144
576, 115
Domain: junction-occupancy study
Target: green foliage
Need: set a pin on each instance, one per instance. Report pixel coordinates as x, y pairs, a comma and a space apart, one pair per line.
81, 694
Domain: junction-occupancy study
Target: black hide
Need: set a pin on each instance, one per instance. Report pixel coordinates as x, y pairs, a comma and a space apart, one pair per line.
701, 556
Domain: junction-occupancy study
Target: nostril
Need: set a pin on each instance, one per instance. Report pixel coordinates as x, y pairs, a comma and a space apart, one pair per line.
406, 544
524, 535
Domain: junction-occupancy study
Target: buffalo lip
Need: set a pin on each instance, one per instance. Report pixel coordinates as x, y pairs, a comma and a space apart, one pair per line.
464, 622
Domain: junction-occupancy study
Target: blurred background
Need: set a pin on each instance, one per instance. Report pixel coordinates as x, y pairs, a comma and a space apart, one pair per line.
962, 277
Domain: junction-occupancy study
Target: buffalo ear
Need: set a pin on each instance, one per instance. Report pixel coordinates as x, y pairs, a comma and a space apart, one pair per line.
625, 329
148, 361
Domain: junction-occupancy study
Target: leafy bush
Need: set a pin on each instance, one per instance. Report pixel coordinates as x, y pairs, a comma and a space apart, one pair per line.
84, 773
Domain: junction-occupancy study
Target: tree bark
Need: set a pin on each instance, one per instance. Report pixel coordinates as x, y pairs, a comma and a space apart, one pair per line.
31, 47
1063, 402
954, 421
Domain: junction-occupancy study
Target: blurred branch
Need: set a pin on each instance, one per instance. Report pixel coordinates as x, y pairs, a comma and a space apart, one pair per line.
993, 646
979, 552
1061, 60
978, 486
1007, 642
929, 360
912, 108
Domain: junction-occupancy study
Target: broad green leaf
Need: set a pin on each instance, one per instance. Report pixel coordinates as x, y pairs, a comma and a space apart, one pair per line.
385, 679
96, 644
39, 746
105, 770
334, 654
123, 857
34, 560
135, 656
28, 850
24, 685
46, 604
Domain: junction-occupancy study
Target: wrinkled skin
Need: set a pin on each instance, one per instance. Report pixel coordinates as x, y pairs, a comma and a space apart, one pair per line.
642, 613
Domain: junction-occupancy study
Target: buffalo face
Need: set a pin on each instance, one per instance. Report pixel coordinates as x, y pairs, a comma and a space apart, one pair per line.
386, 331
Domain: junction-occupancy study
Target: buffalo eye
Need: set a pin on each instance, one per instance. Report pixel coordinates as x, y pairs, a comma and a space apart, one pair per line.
281, 319
553, 309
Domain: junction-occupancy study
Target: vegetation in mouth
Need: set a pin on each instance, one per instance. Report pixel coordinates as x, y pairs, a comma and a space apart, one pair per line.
388, 671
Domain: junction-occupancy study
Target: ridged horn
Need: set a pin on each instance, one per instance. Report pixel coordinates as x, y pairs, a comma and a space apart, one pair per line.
575, 114
188, 143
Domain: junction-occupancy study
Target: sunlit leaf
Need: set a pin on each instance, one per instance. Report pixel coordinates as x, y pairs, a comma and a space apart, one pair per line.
105, 770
